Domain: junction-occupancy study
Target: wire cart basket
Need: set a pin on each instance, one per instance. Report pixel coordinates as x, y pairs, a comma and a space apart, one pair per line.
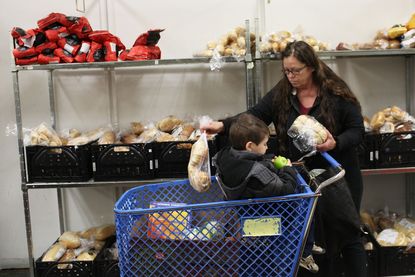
169, 229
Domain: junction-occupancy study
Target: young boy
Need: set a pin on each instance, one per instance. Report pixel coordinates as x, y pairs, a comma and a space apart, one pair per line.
246, 173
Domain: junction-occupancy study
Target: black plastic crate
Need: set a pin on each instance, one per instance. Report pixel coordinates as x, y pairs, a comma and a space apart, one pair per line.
395, 150
64, 269
396, 260
115, 162
58, 163
366, 151
105, 265
171, 158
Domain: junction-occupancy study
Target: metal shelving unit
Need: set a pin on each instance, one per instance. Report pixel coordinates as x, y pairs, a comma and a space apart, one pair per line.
253, 69
110, 68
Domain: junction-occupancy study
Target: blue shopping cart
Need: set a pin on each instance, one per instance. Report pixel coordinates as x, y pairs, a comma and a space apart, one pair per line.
169, 229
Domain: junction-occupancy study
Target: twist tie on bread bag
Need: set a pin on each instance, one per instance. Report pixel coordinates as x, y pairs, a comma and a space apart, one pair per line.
306, 133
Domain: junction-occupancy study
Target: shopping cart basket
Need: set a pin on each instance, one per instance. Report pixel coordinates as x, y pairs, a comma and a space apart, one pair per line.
169, 229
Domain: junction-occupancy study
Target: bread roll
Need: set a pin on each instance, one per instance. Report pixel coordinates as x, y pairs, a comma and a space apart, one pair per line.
54, 253
137, 128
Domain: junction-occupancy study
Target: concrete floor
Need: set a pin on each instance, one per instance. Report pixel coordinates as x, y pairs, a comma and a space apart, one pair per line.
14, 273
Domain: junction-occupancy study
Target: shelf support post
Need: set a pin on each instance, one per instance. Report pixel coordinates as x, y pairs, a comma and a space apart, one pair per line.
249, 68
410, 108
25, 194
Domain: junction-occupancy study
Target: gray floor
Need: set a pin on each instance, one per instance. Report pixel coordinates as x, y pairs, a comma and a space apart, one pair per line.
14, 273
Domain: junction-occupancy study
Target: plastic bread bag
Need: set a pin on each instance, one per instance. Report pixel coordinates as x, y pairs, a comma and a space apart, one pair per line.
199, 164
307, 132
44, 135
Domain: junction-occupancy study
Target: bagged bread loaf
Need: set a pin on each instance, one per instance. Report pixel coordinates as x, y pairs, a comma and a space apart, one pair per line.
87, 255
54, 253
199, 165
70, 240
67, 257
168, 124
307, 132
392, 237
104, 231
107, 138
407, 227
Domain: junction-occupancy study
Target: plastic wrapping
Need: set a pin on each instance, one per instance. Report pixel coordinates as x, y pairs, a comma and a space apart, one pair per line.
307, 132
217, 61
199, 165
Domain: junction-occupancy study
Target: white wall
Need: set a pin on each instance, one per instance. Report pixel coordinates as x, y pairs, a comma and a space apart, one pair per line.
151, 93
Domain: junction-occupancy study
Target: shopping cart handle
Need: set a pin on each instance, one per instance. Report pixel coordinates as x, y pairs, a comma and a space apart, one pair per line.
330, 159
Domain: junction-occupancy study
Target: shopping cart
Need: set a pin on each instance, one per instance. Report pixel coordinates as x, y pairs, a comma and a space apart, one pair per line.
169, 229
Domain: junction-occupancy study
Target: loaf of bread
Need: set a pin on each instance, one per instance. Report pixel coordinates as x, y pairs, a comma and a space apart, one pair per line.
377, 121
104, 231
67, 257
198, 154
87, 255
163, 137
129, 138
107, 138
199, 179
309, 129
392, 237
88, 233
54, 253
168, 124
70, 240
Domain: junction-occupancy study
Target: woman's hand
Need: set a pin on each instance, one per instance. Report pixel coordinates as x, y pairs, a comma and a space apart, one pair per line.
328, 145
212, 127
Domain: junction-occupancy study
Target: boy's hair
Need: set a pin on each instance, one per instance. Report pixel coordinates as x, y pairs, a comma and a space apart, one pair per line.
245, 128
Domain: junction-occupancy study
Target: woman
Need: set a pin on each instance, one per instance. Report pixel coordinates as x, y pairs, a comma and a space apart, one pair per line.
310, 87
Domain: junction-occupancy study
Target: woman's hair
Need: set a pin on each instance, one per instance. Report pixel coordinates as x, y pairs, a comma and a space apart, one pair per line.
328, 82
247, 127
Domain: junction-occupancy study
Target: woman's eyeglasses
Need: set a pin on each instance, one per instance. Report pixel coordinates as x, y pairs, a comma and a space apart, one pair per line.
294, 71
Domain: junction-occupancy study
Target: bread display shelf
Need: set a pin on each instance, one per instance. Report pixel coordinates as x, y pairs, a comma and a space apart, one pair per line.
352, 53
92, 183
118, 64
121, 64
383, 171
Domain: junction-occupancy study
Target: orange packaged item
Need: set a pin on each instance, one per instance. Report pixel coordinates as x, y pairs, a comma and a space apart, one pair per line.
169, 224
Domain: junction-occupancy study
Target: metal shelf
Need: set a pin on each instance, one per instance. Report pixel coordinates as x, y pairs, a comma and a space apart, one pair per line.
203, 60
353, 53
92, 183
119, 64
385, 171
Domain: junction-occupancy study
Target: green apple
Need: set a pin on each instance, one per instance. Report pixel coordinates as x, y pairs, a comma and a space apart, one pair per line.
280, 162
